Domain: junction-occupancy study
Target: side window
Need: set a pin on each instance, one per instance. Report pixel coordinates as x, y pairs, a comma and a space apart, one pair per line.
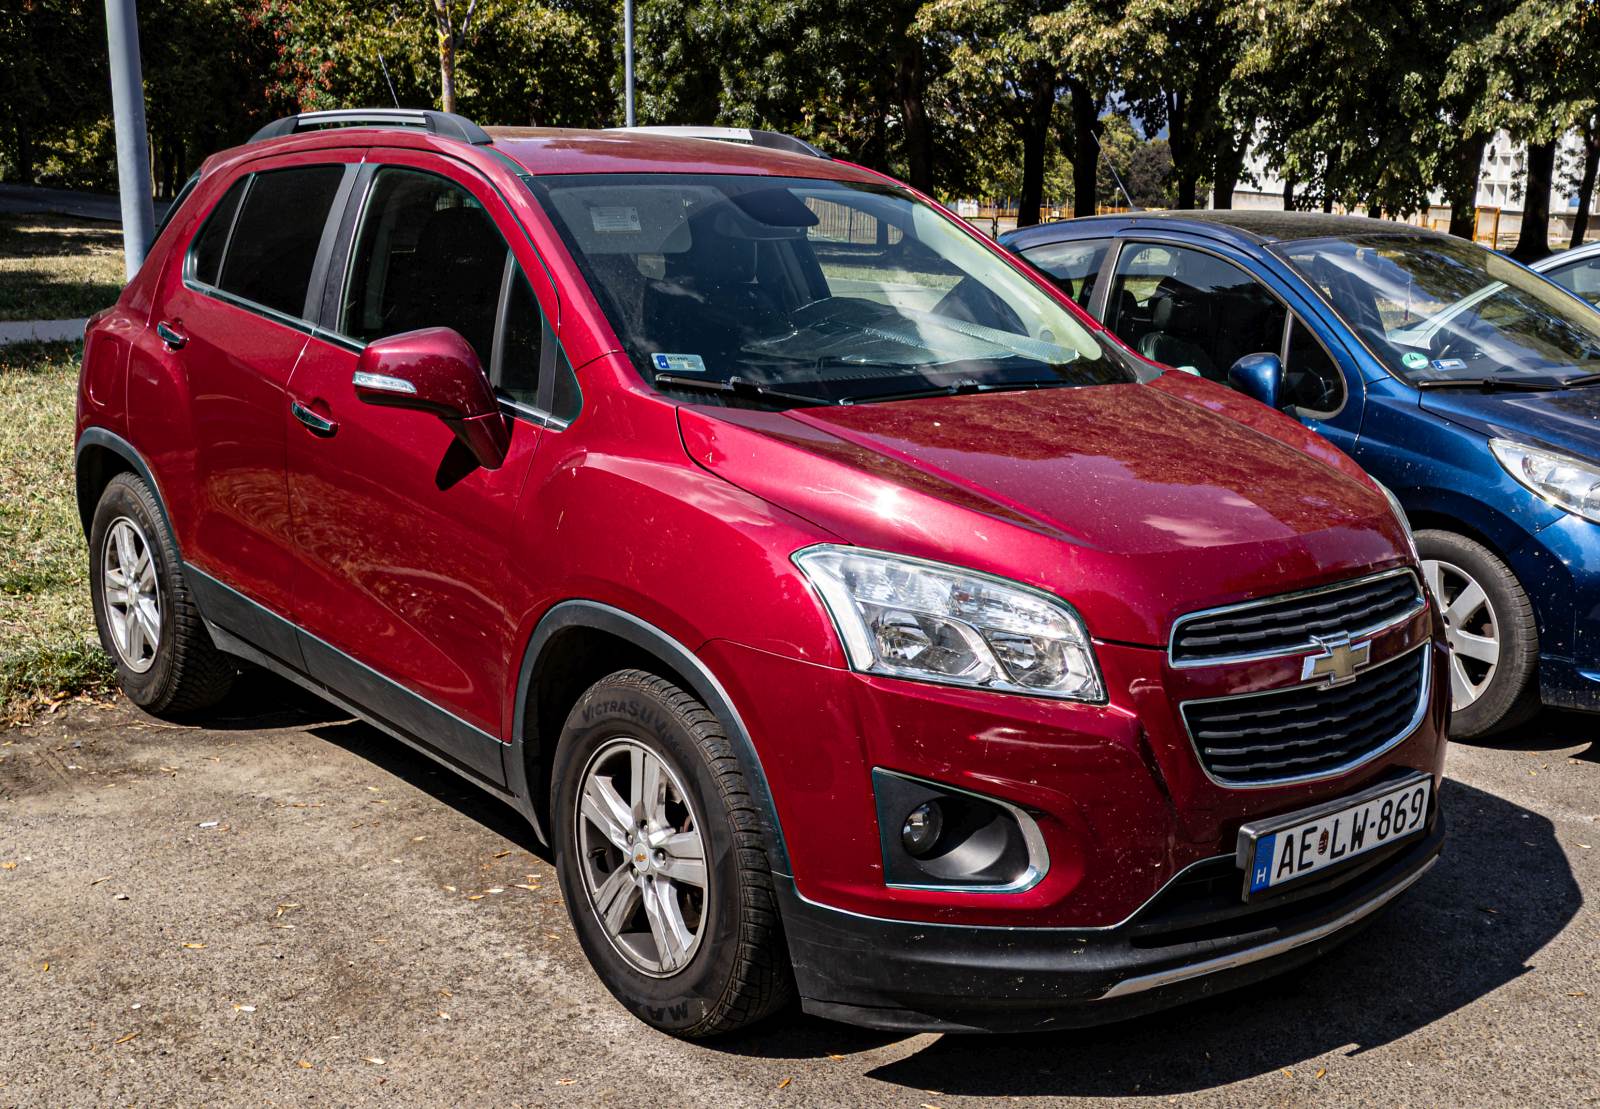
1311, 378
275, 236
1072, 265
1191, 310
1581, 277
212, 242
427, 254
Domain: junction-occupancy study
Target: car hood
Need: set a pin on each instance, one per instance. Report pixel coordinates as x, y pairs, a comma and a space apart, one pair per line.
1136, 502
1568, 419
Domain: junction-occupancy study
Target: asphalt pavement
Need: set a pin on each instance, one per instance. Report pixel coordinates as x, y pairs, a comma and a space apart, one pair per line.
285, 906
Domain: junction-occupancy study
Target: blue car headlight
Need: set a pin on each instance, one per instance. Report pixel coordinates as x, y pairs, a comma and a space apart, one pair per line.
1564, 481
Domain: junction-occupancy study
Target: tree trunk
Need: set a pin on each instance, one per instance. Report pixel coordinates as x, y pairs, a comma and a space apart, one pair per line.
445, 34
1181, 143
1533, 241
1086, 130
1591, 164
1289, 202
1461, 187
1035, 136
914, 117
1229, 166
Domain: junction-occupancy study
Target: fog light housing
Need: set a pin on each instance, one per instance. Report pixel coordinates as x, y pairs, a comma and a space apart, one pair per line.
939, 837
922, 829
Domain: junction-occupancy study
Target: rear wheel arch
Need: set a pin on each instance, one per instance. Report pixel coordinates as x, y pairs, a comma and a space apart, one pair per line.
574, 645
101, 455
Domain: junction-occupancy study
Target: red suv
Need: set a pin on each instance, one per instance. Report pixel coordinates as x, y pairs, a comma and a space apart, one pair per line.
853, 616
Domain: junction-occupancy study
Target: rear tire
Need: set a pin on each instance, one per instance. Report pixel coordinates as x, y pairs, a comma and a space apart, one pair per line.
148, 622
667, 884
1487, 616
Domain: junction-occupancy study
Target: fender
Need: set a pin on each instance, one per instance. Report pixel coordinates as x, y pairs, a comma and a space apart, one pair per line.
702, 683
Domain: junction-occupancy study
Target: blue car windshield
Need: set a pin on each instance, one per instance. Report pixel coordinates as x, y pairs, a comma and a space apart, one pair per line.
771, 291
1439, 309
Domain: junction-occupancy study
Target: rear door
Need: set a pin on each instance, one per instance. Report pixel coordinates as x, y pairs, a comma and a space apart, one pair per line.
408, 588
233, 320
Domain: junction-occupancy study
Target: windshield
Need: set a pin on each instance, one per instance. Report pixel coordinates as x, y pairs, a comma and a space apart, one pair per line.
1439, 309
776, 291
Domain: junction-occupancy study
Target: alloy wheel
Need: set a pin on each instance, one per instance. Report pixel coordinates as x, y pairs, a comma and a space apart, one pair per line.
1471, 627
642, 857
132, 593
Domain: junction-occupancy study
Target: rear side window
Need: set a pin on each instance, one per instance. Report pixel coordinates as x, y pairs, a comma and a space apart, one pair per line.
275, 236
1581, 277
212, 241
260, 242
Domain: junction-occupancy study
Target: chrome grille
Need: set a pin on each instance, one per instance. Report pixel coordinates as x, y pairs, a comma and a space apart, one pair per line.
1309, 731
1292, 622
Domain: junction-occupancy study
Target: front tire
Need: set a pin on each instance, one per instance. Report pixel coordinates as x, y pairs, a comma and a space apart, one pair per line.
661, 859
148, 623
1494, 638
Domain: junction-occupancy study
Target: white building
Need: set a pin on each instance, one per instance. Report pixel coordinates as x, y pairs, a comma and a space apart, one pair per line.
1501, 188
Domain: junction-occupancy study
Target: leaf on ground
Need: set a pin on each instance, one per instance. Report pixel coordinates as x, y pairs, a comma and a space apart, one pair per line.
8, 866
374, 1059
195, 946
129, 1036
785, 1082
304, 1065
97, 881
1321, 1071
501, 854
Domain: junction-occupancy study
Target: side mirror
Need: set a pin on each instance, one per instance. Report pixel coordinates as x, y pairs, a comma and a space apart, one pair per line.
435, 370
1259, 376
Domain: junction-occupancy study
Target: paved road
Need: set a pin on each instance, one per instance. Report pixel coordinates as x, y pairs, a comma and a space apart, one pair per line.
288, 907
67, 202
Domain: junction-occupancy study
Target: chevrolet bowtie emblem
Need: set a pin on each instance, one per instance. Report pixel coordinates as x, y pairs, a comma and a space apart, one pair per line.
1338, 662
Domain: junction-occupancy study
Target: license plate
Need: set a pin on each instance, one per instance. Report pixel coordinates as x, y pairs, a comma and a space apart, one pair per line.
1299, 845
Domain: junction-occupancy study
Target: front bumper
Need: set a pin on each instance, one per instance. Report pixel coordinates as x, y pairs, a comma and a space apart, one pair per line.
1194, 939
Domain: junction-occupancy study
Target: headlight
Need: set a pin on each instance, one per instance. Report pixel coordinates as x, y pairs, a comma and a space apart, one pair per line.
915, 619
1562, 480
1400, 514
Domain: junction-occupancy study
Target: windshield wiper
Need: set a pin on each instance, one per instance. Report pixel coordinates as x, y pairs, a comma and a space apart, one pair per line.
964, 387
1581, 379
1490, 384
742, 386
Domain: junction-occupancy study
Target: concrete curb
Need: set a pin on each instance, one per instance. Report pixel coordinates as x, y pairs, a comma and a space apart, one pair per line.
41, 331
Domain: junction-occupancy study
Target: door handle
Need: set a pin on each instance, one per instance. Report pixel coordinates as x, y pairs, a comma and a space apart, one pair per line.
319, 425
172, 338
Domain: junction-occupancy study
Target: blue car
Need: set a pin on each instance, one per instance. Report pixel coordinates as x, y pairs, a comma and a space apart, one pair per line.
1467, 384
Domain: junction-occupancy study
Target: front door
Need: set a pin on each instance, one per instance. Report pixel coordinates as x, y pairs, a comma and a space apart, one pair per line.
406, 586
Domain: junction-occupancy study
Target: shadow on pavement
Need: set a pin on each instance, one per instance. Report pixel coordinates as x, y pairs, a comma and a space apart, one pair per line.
1551, 729
1501, 891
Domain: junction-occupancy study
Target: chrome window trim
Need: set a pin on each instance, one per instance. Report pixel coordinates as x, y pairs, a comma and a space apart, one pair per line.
1309, 645
1404, 733
1032, 837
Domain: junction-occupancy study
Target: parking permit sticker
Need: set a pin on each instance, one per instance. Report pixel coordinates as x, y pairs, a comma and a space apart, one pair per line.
679, 363
1445, 364
1414, 360
615, 219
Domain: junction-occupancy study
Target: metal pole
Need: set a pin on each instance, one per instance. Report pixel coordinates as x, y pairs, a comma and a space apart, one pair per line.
133, 141
627, 60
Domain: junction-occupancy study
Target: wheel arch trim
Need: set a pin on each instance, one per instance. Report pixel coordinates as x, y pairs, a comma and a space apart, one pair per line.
117, 445
598, 616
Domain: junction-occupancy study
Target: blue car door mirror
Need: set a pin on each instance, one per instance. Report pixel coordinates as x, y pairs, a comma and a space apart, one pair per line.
1259, 376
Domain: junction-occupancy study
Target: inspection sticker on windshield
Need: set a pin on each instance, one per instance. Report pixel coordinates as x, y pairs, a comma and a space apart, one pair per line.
1413, 360
679, 363
1444, 365
619, 218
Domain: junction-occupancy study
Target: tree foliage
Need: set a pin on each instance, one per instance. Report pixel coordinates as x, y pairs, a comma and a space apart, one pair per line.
1354, 102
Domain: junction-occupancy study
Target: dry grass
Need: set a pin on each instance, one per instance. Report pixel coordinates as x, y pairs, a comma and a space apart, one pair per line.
48, 646
57, 267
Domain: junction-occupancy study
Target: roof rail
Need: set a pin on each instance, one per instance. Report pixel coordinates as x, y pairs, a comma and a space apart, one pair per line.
445, 124
769, 140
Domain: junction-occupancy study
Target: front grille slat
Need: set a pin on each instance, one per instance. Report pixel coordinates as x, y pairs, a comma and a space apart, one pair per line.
1284, 624
1307, 730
